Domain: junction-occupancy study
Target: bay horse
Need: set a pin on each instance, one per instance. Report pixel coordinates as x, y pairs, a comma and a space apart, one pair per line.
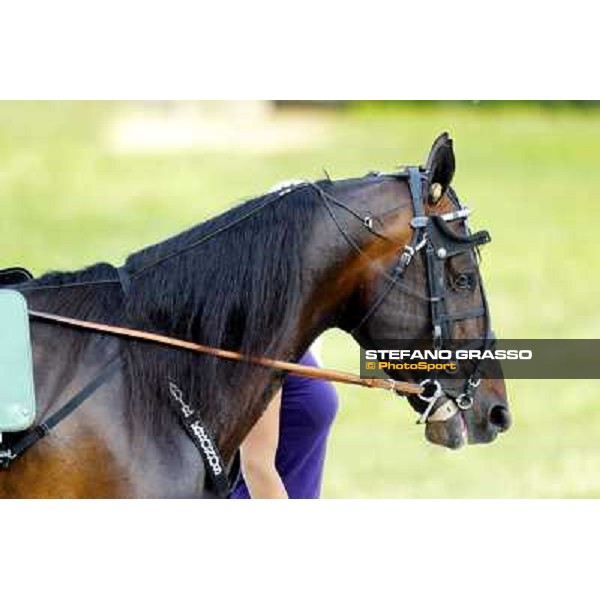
265, 278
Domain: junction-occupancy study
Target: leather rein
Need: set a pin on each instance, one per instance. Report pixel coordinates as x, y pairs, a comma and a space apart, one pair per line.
399, 387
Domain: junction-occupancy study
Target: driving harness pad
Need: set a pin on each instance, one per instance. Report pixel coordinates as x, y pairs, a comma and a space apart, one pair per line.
17, 390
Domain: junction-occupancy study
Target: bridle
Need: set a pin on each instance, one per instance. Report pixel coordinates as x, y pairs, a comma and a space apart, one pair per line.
432, 237
430, 234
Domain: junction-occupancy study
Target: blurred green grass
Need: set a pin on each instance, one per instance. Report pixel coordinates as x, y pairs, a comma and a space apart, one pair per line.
70, 197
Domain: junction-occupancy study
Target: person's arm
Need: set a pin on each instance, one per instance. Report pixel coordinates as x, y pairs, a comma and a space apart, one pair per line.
258, 455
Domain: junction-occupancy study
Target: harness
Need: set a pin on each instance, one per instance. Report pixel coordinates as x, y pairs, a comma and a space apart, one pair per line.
432, 237
430, 234
439, 244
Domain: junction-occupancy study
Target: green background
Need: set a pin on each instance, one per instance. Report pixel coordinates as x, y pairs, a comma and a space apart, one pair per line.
83, 182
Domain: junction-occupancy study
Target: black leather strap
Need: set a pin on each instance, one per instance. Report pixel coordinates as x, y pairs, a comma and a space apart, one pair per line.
415, 183
34, 435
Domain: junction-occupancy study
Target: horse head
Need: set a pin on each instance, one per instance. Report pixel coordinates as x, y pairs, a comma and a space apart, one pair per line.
413, 275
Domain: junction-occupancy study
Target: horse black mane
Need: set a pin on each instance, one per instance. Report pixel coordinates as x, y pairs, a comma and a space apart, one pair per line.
239, 290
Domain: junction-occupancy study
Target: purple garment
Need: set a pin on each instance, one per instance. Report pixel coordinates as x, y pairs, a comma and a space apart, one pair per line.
308, 408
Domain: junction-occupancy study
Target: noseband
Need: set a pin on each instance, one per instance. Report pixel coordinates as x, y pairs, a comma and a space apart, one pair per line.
432, 237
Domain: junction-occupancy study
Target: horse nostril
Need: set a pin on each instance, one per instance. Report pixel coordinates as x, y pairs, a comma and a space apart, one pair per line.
500, 417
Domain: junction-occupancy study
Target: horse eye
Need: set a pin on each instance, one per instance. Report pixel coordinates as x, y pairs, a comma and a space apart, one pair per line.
464, 281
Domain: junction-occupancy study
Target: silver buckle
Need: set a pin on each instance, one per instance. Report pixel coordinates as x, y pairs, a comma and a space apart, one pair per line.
474, 383
8, 454
409, 252
464, 401
406, 256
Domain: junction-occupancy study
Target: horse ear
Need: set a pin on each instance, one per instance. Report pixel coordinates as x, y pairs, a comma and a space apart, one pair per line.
440, 166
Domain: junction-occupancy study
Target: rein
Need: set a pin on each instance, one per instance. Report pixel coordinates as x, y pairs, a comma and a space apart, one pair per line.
399, 387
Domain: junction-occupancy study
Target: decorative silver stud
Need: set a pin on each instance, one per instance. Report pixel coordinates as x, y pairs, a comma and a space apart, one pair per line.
442, 253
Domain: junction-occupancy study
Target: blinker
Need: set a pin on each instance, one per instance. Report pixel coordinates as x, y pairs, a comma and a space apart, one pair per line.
444, 238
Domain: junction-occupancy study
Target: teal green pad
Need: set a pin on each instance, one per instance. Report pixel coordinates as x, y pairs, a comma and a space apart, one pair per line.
17, 389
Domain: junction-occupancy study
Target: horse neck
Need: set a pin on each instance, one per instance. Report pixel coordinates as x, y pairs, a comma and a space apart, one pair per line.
311, 320
325, 290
